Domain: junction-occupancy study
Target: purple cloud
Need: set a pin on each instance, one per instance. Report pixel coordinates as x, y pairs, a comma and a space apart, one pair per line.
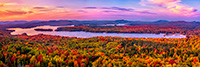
109, 11
60, 7
118, 8
39, 8
105, 7
111, 8
195, 10
82, 11
146, 12
90, 7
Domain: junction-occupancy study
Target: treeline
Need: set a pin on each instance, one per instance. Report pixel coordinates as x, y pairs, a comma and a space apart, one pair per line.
4, 33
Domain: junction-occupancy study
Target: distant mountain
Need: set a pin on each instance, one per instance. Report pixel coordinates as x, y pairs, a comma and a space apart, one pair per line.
161, 21
122, 21
28, 24
183, 23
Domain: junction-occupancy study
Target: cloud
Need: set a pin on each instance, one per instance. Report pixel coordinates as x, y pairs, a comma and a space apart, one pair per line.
7, 13
124, 9
146, 12
4, 4
90, 7
172, 5
82, 11
1, 5
118, 8
60, 7
111, 8
109, 11
41, 8
158, 2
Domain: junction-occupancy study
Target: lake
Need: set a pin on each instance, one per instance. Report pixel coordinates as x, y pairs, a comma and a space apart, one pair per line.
82, 34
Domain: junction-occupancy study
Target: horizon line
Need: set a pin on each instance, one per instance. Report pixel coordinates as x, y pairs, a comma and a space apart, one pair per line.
102, 20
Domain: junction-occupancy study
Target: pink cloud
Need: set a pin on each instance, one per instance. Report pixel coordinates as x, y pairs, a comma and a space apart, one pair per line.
171, 5
7, 13
162, 2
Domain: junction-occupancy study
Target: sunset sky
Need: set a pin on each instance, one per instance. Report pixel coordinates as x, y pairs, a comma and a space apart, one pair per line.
145, 10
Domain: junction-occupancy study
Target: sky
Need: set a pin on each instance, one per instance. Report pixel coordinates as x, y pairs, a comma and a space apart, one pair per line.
138, 10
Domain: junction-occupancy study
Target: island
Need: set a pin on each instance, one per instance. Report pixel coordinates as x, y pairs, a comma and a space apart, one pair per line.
40, 29
155, 29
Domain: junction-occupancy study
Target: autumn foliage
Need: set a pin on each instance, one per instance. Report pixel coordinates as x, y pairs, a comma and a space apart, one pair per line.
57, 51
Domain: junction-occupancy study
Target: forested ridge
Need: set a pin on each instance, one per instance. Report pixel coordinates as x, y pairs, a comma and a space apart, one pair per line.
168, 29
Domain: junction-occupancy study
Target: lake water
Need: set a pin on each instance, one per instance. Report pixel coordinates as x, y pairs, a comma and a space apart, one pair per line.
82, 34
